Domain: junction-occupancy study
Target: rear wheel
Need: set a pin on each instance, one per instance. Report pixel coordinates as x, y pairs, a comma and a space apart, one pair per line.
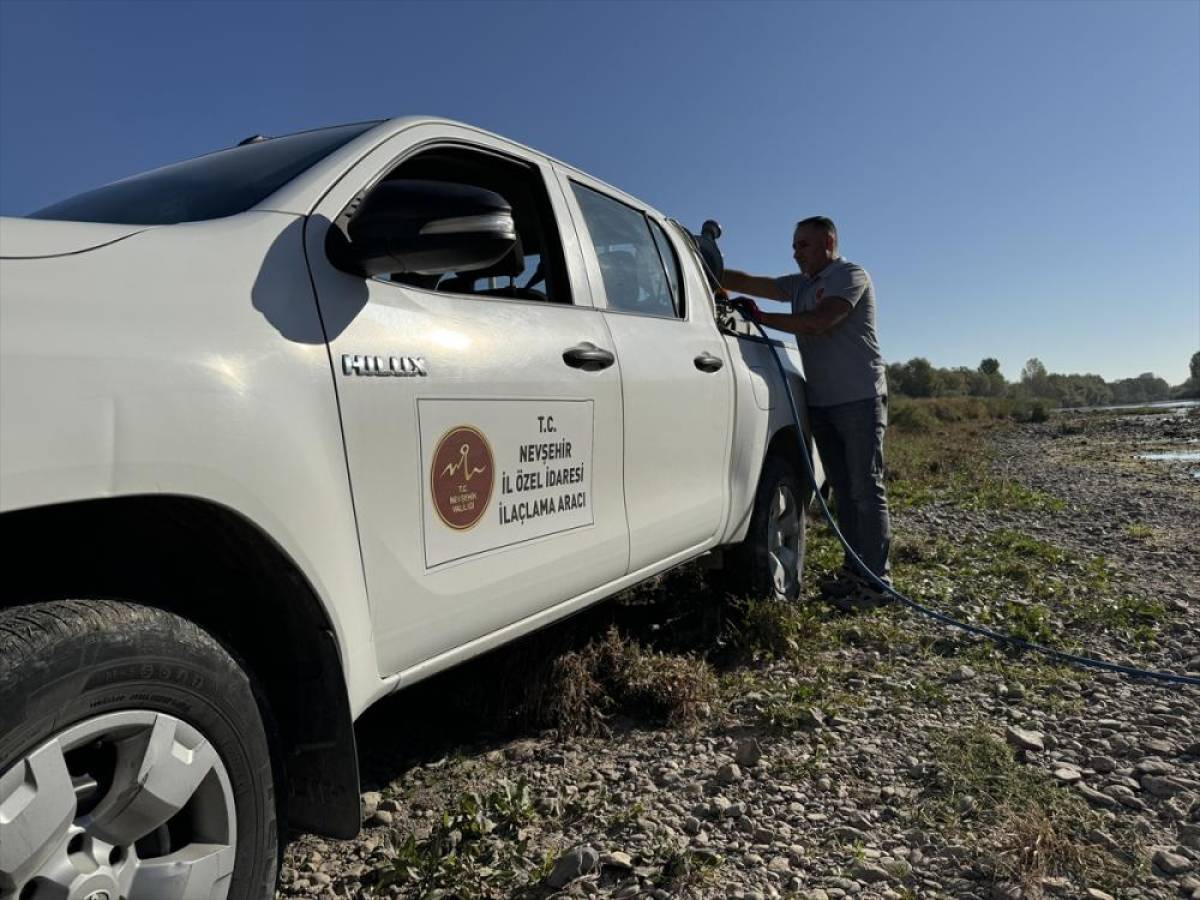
133, 759
769, 563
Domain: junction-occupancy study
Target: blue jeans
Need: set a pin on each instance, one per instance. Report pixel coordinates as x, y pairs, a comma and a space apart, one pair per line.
849, 437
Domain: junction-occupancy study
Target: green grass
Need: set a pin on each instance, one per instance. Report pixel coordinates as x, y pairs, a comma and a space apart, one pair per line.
1036, 682
1134, 617
456, 855
1027, 587
625, 816
820, 692
1027, 827
764, 629
951, 460
1020, 544
921, 691
805, 769
1138, 531
1031, 624
1013, 582
990, 492
684, 868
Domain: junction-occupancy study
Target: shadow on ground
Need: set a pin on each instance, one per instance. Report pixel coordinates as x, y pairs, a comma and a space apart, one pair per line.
505, 695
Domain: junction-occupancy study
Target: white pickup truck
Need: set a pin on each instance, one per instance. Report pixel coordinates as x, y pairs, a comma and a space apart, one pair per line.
293, 425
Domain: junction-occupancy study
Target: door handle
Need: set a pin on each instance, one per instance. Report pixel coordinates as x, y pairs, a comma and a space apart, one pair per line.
588, 356
706, 362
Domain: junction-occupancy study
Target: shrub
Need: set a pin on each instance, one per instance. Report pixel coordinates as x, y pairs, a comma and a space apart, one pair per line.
614, 674
910, 416
919, 415
1031, 411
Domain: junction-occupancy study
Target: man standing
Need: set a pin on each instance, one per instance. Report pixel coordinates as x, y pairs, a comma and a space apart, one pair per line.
833, 317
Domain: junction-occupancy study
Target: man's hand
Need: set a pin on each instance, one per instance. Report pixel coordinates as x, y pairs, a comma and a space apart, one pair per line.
748, 308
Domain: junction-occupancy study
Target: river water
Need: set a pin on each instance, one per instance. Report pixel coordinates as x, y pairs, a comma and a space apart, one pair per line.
1185, 451
1165, 405
1174, 452
1170, 456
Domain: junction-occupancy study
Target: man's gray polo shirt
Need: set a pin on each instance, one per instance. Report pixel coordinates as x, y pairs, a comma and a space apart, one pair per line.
844, 364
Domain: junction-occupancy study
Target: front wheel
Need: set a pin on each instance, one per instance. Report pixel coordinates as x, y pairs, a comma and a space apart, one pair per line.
769, 563
134, 761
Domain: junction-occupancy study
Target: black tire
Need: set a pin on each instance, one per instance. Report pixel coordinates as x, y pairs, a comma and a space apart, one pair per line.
64, 662
749, 570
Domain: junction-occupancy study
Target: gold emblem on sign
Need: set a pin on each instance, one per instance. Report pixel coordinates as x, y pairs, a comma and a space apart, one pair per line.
461, 477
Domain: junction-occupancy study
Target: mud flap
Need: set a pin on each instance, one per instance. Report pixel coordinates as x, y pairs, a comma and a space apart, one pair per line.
322, 773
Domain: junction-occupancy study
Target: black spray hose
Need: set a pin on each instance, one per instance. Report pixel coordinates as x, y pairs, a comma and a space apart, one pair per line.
882, 585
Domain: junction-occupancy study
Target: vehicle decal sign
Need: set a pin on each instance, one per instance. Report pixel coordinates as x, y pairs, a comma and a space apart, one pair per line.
461, 477
501, 472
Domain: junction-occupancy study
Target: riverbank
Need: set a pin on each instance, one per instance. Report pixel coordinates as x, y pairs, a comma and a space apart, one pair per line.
674, 744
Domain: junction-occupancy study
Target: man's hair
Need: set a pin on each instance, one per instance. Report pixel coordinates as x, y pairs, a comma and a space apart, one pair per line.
822, 223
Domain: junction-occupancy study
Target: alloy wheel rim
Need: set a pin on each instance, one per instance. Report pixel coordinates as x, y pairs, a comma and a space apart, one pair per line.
783, 540
129, 805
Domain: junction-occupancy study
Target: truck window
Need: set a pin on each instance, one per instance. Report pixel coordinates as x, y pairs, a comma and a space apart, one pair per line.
208, 187
536, 269
670, 261
634, 262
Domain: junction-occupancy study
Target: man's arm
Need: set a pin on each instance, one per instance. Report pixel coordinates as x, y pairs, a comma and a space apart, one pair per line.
755, 285
823, 318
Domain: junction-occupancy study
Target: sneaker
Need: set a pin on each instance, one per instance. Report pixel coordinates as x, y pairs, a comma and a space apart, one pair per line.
844, 583
866, 597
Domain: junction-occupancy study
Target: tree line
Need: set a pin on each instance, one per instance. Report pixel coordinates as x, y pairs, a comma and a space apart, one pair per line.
920, 378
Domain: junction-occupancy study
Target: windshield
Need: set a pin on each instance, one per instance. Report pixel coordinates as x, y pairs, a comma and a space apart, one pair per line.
208, 187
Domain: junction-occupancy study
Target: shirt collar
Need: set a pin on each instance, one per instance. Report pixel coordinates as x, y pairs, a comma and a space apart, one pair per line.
825, 271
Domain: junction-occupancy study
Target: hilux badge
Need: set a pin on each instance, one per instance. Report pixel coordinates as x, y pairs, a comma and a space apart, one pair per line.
402, 366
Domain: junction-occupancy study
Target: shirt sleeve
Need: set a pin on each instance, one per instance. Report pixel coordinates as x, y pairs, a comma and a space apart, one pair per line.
789, 286
848, 282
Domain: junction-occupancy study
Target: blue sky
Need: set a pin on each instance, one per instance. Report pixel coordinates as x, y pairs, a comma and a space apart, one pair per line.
1021, 179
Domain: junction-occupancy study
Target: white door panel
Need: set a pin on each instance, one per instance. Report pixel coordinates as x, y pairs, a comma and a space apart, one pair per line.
677, 426
445, 468
678, 417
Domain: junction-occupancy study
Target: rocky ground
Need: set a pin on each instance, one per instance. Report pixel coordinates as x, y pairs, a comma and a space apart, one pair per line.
677, 744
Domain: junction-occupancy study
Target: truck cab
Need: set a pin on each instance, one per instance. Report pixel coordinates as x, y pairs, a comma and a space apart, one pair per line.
226, 415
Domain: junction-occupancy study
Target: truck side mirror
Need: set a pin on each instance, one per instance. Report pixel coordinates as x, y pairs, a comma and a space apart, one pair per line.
415, 227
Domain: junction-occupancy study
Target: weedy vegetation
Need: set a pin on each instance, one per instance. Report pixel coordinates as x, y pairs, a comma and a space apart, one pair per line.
682, 868
937, 446
1139, 532
615, 675
1026, 826
457, 854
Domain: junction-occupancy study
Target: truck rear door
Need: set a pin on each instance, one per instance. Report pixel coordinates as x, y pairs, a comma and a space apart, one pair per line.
677, 383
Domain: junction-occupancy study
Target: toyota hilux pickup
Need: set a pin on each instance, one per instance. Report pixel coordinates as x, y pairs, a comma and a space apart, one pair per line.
293, 425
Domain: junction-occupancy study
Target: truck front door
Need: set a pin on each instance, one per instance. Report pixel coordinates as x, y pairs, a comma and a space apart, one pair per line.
481, 411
